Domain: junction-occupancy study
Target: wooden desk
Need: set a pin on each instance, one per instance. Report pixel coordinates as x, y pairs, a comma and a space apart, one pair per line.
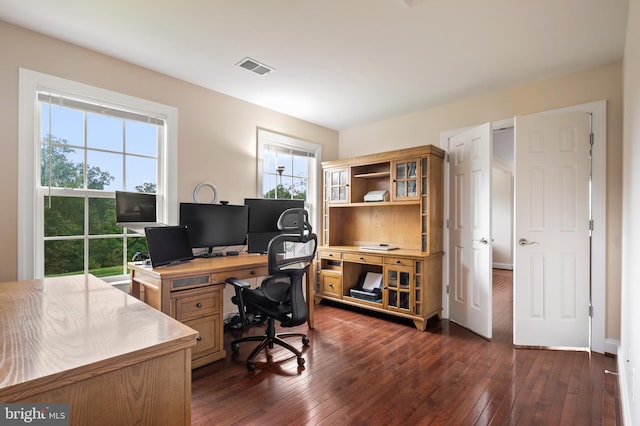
80, 341
192, 292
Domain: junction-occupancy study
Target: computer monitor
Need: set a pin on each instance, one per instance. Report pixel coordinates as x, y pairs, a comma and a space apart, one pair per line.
135, 207
168, 245
214, 225
263, 220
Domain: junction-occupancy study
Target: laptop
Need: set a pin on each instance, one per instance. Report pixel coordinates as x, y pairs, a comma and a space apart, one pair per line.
168, 245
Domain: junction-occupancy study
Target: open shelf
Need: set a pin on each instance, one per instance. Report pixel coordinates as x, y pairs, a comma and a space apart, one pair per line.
377, 204
372, 175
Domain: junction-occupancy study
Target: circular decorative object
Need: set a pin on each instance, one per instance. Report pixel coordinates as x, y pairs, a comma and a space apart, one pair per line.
211, 186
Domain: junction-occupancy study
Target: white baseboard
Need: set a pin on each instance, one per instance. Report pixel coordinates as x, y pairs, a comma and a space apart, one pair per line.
503, 266
623, 388
611, 347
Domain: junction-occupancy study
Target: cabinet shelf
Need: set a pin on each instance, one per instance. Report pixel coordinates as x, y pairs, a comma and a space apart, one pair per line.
377, 204
372, 175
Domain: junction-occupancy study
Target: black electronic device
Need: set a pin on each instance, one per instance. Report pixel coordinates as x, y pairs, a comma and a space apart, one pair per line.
215, 225
135, 207
263, 220
369, 287
168, 245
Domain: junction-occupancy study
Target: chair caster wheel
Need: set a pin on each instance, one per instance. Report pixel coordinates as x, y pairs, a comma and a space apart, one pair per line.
235, 347
300, 361
251, 366
305, 341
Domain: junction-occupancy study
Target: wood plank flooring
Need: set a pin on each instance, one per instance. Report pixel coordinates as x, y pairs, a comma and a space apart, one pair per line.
364, 369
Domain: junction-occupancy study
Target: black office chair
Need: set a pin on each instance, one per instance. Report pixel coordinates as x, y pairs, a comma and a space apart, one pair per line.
280, 296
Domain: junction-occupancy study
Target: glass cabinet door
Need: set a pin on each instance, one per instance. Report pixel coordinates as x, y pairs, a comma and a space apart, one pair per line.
406, 180
398, 289
337, 185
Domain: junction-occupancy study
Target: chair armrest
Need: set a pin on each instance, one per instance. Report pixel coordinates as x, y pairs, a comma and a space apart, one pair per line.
238, 283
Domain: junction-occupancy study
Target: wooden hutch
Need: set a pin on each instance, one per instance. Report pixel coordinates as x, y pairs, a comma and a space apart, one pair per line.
408, 220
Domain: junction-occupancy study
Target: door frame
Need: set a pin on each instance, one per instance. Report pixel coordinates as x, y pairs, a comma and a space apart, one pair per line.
598, 111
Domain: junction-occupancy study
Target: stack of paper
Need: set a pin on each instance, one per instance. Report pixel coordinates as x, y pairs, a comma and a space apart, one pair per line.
372, 281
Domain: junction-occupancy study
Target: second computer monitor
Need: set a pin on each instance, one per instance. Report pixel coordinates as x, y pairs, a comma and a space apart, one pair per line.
215, 225
263, 220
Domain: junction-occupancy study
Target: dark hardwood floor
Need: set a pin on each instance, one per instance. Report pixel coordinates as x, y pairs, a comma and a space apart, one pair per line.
362, 369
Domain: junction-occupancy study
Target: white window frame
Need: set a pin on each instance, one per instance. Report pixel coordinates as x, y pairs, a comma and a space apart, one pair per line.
30, 210
268, 137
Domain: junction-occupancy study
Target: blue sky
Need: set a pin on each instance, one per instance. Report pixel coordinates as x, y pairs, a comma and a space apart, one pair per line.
105, 144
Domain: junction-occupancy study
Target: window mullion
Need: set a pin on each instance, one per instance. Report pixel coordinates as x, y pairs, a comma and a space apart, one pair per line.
124, 157
86, 235
85, 157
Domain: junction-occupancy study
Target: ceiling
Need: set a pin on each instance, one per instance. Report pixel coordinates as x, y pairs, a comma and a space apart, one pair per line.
342, 63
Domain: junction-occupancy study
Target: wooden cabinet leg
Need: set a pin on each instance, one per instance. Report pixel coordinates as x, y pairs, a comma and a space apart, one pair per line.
420, 324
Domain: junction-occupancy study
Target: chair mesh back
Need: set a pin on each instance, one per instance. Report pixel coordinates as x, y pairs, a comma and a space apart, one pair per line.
295, 248
287, 252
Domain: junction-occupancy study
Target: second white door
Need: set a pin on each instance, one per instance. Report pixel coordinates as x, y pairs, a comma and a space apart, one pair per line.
552, 232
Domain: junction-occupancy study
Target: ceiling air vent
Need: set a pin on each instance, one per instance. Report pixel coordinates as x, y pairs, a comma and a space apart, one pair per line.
255, 66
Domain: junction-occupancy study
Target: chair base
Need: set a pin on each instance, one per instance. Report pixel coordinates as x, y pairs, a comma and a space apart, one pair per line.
269, 339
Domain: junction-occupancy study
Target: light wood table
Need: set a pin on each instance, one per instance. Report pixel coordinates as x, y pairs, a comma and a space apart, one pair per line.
80, 341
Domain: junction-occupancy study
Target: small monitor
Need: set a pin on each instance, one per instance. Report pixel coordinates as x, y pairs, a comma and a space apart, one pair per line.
214, 225
135, 207
168, 245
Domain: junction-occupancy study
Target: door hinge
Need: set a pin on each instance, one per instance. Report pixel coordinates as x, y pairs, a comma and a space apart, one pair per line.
447, 288
447, 224
446, 156
591, 138
591, 311
590, 224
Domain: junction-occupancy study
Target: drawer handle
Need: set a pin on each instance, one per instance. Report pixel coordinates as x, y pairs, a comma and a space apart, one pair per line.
398, 261
330, 254
199, 339
253, 272
361, 258
198, 305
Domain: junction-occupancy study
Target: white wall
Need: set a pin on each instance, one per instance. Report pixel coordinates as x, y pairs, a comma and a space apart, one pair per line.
502, 217
502, 198
629, 353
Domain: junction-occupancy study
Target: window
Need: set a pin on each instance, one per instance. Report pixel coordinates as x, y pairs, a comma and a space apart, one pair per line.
78, 145
288, 168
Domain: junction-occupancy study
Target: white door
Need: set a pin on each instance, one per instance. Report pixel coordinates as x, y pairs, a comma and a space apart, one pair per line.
552, 236
470, 234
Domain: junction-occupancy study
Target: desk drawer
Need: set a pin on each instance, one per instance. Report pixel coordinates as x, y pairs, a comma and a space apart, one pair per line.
209, 339
331, 283
220, 277
330, 254
399, 261
363, 258
197, 306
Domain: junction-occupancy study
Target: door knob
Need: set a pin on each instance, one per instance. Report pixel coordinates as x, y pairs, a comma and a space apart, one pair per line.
482, 240
524, 242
